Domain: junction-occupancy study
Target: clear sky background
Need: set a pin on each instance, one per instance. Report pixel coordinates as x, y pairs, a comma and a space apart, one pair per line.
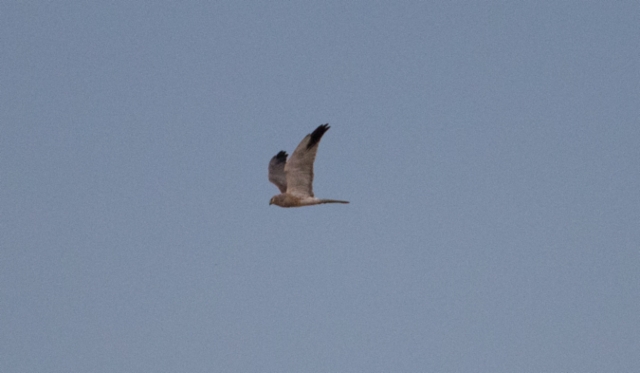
490, 151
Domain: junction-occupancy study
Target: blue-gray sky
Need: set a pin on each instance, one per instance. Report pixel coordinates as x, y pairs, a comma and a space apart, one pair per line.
489, 150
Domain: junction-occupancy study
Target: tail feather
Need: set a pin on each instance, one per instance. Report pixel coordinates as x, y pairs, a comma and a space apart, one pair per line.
332, 201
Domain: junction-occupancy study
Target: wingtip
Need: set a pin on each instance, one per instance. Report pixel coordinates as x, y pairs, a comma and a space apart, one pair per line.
282, 155
317, 134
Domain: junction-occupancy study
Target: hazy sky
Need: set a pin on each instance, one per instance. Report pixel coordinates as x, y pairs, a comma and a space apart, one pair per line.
490, 151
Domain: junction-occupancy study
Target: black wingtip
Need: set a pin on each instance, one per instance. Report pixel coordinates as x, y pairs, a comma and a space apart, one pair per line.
316, 135
281, 156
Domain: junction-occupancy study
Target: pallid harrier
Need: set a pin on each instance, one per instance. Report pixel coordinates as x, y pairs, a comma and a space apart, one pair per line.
294, 177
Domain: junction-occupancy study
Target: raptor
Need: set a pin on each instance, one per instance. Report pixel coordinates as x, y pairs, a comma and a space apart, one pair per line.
294, 176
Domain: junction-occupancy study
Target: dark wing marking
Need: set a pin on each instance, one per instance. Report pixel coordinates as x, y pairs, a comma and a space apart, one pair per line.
316, 135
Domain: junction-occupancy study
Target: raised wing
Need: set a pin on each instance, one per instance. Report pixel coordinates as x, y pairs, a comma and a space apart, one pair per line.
299, 168
276, 171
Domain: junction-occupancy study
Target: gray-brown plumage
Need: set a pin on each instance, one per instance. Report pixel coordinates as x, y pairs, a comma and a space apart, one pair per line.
294, 176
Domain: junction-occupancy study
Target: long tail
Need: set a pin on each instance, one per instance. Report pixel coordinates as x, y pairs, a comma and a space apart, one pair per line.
332, 201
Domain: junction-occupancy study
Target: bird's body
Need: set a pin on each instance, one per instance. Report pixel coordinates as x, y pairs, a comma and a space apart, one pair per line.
289, 200
294, 177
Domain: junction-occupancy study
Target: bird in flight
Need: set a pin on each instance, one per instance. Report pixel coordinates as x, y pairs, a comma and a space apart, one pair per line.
294, 177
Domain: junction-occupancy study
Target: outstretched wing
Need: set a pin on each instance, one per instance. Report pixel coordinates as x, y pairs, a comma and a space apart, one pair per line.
299, 168
276, 171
